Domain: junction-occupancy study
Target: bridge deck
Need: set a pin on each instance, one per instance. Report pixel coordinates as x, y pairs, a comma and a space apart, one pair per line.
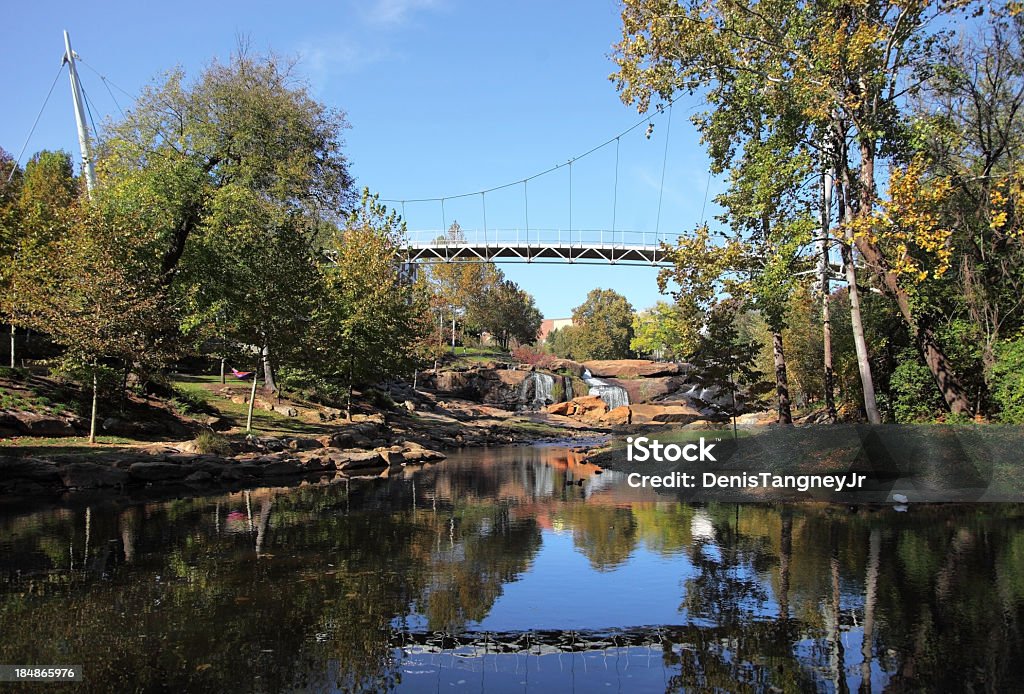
540, 246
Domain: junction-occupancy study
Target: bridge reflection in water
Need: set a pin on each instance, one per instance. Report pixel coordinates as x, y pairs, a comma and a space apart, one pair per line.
515, 569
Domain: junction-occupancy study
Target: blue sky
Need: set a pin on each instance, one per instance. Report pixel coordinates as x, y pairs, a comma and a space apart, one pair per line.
444, 97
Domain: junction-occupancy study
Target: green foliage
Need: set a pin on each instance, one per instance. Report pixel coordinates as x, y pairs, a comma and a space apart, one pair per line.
562, 342
915, 398
662, 332
602, 326
212, 443
508, 313
188, 402
1008, 381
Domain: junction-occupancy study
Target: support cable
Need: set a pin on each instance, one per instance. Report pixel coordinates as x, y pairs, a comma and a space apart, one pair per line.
17, 162
615, 192
664, 164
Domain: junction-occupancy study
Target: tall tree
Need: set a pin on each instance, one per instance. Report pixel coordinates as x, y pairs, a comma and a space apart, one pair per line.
366, 324
508, 313
603, 326
845, 68
190, 155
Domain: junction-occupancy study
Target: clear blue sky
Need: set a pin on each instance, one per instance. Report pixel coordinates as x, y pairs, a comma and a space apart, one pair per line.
444, 97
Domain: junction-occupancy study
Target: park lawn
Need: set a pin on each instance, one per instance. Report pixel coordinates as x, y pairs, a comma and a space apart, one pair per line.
204, 388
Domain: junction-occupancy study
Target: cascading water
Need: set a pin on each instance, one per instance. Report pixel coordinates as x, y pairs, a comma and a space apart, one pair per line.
543, 387
614, 396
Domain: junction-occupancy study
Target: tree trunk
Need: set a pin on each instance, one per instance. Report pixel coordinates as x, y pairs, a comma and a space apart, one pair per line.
859, 342
12, 345
269, 384
861, 345
223, 363
942, 370
252, 398
351, 377
824, 271
781, 379
92, 419
124, 385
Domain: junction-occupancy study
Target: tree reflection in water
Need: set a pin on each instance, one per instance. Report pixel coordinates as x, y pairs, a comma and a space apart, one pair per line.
408, 583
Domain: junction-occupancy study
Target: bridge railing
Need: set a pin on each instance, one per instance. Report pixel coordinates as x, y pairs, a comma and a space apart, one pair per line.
541, 238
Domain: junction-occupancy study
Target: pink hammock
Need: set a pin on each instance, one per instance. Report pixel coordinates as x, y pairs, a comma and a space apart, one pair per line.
241, 374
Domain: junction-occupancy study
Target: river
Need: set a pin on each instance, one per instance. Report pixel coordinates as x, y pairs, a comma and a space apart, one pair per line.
514, 569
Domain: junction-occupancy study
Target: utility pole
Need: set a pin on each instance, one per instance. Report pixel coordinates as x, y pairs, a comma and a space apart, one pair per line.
83, 128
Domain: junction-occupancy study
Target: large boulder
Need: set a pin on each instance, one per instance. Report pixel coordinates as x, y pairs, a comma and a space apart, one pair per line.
573, 367
84, 475
34, 424
586, 407
616, 417
631, 368
663, 414
31, 469
158, 471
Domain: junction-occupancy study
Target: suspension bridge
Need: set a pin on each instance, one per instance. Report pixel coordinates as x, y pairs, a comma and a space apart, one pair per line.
584, 246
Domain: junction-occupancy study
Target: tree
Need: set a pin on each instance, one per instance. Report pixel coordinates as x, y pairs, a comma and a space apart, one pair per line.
662, 332
365, 324
562, 341
508, 313
40, 204
460, 285
603, 325
88, 291
206, 163
842, 68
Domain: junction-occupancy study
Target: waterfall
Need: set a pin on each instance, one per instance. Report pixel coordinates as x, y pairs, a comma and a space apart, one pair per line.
614, 396
542, 391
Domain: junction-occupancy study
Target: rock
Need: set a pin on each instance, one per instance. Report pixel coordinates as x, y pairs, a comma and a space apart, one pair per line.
561, 408
283, 467
34, 424
574, 367
30, 469
199, 476
753, 420
704, 425
91, 475
392, 457
157, 472
230, 474
358, 460
410, 405
218, 423
590, 407
618, 416
663, 414
303, 444
631, 368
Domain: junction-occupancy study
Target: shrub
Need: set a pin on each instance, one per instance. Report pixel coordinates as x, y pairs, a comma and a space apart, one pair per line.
211, 443
915, 396
528, 354
1007, 381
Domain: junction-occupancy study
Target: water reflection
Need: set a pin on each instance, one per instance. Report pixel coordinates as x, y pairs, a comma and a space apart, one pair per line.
500, 570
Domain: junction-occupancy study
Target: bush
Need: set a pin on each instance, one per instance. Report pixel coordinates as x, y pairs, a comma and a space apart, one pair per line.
915, 395
188, 403
212, 443
528, 354
1007, 381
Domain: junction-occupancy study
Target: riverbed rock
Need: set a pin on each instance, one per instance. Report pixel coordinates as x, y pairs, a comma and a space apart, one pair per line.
30, 469
631, 368
663, 414
574, 367
35, 424
586, 406
157, 472
617, 416
83, 475
359, 460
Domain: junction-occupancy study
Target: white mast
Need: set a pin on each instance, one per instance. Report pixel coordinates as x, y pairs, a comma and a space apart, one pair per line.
83, 128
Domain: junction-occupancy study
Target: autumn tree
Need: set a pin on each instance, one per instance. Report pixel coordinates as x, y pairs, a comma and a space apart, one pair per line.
89, 292
365, 323
662, 332
844, 68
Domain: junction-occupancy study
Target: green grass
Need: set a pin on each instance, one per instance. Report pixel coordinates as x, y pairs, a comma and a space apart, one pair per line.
55, 448
197, 390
